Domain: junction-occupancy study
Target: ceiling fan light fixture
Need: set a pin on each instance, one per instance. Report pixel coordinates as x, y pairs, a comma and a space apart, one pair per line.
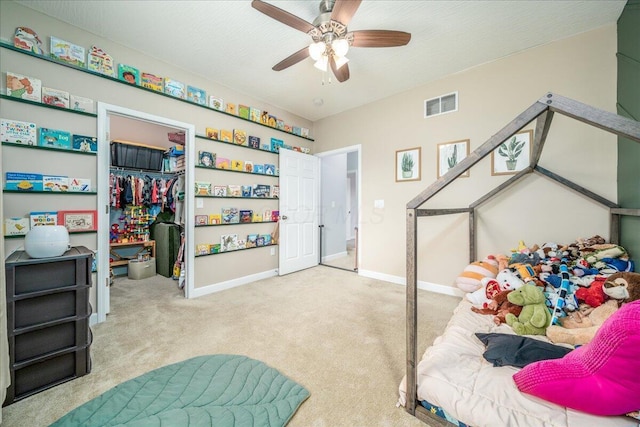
340, 47
316, 50
340, 60
321, 63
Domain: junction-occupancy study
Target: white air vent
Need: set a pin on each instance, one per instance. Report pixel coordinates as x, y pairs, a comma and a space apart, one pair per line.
440, 105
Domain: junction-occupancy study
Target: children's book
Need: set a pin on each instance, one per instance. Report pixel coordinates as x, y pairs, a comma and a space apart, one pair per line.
202, 220
258, 169
248, 166
228, 242
24, 87
129, 74
297, 131
151, 81
237, 165
58, 98
23, 181
231, 108
54, 138
18, 132
243, 111
261, 190
276, 144
100, 61
242, 244
202, 249
212, 133
266, 146
264, 117
88, 144
80, 103
272, 120
223, 163
246, 215
220, 190
260, 240
175, 88
216, 103
254, 114
26, 39
226, 135
266, 239
275, 216
16, 226
203, 188
251, 240
194, 94
280, 124
304, 132
275, 191
67, 52
240, 137
206, 159
247, 191
43, 218
230, 216
269, 169
55, 183
234, 190
215, 219
257, 217
254, 141
266, 215
288, 128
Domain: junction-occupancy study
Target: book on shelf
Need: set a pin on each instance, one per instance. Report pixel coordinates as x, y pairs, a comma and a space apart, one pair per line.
220, 190
56, 97
202, 249
100, 62
240, 137
269, 169
257, 217
202, 188
275, 216
55, 183
129, 74
54, 138
275, 191
230, 215
87, 144
242, 244
251, 240
216, 103
80, 184
228, 242
151, 81
234, 190
276, 144
16, 226
260, 240
264, 117
24, 87
202, 219
254, 114
223, 163
304, 132
288, 128
206, 159
258, 169
212, 133
81, 103
196, 95
243, 111
226, 135
18, 132
247, 191
246, 215
214, 248
297, 131
253, 141
261, 190
237, 165
266, 239
272, 120
65, 51
175, 88
265, 146
26, 39
38, 219
280, 124
231, 108
266, 215
215, 219
248, 166
23, 181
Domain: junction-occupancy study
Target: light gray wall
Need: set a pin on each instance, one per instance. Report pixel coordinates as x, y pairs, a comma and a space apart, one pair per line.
333, 207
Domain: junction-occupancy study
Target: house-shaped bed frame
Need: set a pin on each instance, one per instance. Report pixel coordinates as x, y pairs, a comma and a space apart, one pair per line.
542, 111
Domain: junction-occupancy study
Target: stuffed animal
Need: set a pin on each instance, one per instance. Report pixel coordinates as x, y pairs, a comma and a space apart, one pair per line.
593, 295
535, 316
579, 328
607, 250
469, 280
499, 307
509, 280
504, 281
623, 287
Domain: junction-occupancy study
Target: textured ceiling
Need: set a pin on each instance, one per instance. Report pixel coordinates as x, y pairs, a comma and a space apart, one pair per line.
234, 45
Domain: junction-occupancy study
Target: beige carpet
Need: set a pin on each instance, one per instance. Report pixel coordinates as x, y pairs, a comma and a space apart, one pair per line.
339, 335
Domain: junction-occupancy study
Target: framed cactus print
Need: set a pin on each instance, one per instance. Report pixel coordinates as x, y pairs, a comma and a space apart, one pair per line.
513, 155
450, 154
408, 164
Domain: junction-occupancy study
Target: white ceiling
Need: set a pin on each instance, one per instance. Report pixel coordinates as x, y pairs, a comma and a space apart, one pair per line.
234, 45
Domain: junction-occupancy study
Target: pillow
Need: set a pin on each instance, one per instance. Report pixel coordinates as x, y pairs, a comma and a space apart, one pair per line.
518, 351
600, 377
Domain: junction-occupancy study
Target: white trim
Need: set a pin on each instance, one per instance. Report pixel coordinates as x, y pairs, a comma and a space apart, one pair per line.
334, 256
426, 116
233, 283
427, 286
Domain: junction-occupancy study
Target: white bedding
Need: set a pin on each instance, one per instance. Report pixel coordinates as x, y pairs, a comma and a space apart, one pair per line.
453, 374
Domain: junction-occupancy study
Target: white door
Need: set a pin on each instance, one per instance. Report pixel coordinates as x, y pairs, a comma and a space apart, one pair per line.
299, 209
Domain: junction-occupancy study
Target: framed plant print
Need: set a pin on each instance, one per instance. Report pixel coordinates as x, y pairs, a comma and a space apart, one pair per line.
513, 155
450, 154
408, 164
76, 221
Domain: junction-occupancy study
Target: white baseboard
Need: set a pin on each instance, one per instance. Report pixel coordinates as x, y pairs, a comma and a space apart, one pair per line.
217, 287
93, 319
427, 286
334, 256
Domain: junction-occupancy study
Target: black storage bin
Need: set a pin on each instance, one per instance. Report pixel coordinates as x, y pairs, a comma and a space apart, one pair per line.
63, 336
136, 156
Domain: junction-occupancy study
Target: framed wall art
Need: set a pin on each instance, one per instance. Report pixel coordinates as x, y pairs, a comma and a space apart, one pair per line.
76, 221
513, 155
450, 154
408, 164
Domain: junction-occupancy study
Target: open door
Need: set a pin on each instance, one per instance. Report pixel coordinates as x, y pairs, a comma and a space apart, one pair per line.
299, 208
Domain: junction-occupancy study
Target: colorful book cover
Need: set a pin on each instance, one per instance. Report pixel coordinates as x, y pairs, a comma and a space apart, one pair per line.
288, 128
79, 185
262, 190
242, 244
257, 217
216, 103
202, 249
58, 98
272, 120
248, 166
80, 103
247, 191
275, 216
54, 138
55, 183
88, 144
202, 188
243, 111
214, 248
266, 215
43, 218
16, 226
202, 220
212, 133
254, 114
237, 165
129, 74
100, 61
231, 108
251, 240
240, 137
260, 240
226, 135
18, 132
26, 39
264, 117
280, 124
197, 95
151, 81
215, 219
175, 88
253, 141
25, 87
269, 169
23, 181
220, 190
265, 146
228, 242
234, 190
275, 191
297, 131
258, 169
266, 238
304, 132
206, 159
276, 144
67, 52
246, 215
230, 216
223, 163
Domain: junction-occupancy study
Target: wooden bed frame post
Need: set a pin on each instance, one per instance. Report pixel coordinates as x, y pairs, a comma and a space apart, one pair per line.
412, 312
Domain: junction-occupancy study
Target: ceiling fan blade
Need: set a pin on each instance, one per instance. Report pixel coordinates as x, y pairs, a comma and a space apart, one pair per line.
292, 59
282, 16
343, 10
342, 73
379, 38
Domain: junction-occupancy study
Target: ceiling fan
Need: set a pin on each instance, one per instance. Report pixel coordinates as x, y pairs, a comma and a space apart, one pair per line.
331, 39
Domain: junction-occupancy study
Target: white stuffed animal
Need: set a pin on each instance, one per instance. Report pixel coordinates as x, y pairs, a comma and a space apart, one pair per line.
506, 280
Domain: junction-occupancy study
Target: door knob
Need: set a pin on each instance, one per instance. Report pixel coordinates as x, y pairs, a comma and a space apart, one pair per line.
284, 217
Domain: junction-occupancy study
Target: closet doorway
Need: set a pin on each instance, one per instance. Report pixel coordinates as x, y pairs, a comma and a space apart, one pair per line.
340, 207
118, 123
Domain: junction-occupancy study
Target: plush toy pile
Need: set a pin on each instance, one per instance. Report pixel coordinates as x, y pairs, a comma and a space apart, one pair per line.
579, 285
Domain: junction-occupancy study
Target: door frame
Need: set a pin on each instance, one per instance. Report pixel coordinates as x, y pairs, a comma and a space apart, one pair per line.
345, 150
104, 110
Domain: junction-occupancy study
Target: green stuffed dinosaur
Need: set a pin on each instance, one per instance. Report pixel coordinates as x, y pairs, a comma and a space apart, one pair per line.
535, 316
